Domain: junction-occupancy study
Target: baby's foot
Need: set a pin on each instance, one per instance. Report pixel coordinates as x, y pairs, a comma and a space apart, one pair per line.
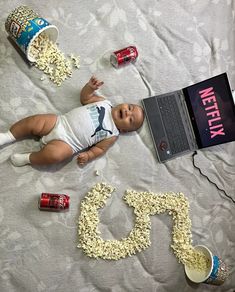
20, 159
6, 138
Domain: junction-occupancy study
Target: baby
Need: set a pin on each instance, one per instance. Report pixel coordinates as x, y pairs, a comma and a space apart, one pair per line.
88, 130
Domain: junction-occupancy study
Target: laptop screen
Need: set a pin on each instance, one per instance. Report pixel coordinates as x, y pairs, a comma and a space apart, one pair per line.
212, 110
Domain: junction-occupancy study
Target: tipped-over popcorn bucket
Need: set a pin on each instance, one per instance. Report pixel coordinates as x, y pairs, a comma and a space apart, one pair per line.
215, 274
24, 25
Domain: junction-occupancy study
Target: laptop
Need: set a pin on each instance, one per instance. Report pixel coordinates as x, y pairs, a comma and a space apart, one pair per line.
195, 117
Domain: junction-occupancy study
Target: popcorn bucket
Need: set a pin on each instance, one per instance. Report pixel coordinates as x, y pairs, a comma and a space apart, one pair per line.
216, 273
24, 25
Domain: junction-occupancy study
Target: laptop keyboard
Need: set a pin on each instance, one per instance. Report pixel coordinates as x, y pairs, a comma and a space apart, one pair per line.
174, 127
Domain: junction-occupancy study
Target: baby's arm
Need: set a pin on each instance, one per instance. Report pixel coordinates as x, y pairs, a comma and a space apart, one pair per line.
87, 94
96, 150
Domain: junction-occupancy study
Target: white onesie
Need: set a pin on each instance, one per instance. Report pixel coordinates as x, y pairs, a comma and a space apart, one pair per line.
84, 126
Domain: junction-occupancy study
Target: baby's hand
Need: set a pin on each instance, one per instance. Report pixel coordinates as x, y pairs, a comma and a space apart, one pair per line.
94, 83
82, 158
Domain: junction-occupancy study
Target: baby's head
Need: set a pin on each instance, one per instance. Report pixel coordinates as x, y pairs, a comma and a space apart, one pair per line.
128, 117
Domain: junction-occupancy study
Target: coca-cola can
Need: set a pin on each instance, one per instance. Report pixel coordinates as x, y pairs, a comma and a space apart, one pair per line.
124, 56
53, 202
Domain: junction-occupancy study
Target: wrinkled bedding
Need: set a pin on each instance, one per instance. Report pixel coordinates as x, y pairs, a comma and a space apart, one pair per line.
180, 43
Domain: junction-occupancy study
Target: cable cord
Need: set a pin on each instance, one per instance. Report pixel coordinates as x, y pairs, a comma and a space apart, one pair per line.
221, 190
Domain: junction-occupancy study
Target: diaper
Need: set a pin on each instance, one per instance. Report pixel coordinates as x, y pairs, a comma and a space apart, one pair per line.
63, 132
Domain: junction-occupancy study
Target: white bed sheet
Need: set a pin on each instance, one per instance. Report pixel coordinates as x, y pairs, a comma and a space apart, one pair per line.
180, 43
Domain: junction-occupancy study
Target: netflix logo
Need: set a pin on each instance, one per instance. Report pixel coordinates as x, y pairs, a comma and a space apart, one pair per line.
212, 111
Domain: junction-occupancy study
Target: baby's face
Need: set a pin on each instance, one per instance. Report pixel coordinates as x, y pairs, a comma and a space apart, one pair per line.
127, 117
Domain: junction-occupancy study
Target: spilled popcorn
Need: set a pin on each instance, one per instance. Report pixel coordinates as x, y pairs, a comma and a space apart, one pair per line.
51, 60
144, 204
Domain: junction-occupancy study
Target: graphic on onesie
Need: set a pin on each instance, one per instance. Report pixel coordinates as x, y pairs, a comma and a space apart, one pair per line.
101, 112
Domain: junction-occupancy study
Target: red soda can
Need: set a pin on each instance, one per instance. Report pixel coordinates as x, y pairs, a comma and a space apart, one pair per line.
53, 202
124, 56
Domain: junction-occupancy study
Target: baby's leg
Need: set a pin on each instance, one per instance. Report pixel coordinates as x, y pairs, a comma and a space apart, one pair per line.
37, 125
54, 152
